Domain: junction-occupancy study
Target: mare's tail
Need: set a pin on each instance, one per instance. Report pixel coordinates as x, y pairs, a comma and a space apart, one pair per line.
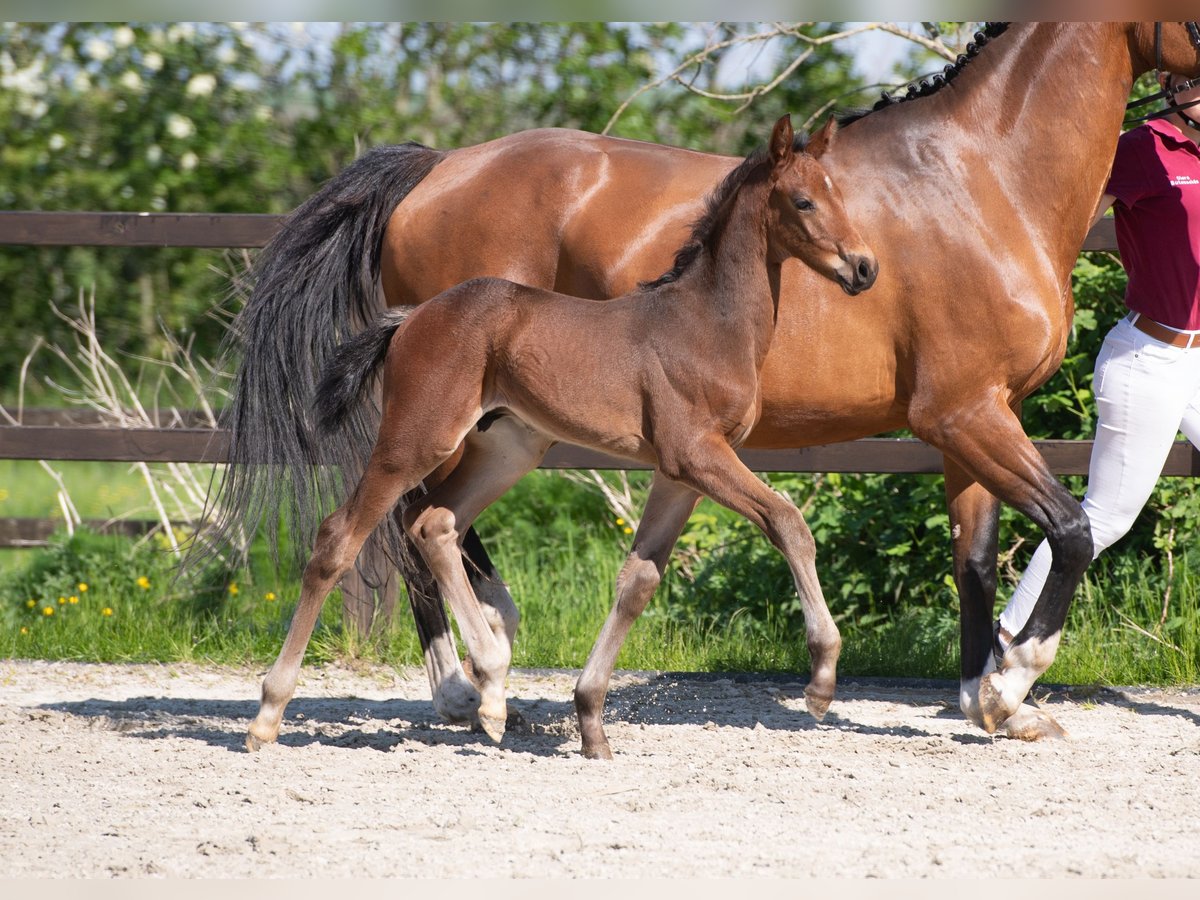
351, 371
313, 287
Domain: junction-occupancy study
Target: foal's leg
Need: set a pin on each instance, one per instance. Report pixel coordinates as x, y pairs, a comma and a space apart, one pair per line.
712, 467
974, 523
339, 540
667, 510
494, 461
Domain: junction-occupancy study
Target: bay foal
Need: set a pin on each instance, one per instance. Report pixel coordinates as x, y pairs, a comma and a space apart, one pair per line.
667, 375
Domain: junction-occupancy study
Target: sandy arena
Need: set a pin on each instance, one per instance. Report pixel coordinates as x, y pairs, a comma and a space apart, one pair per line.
137, 770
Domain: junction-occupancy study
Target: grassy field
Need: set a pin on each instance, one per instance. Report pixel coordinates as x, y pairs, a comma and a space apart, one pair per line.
562, 575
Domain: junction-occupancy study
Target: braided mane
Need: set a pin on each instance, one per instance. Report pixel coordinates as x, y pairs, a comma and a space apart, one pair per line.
927, 86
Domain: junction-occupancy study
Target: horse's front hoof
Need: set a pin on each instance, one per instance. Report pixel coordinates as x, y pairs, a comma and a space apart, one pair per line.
1031, 724
253, 744
457, 700
993, 711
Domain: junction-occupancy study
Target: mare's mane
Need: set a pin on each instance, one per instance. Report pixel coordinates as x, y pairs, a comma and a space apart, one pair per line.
925, 87
705, 226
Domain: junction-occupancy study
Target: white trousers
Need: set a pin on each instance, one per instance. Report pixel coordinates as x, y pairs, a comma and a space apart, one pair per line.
1146, 391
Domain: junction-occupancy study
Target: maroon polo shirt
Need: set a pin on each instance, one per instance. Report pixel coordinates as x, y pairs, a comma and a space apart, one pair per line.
1156, 180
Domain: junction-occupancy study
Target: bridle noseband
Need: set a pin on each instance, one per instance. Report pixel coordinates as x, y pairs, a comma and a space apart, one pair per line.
1193, 30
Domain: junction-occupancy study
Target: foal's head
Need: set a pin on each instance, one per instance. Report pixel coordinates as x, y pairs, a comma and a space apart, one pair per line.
806, 218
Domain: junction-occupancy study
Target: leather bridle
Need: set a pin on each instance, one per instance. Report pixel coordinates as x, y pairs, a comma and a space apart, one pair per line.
1193, 30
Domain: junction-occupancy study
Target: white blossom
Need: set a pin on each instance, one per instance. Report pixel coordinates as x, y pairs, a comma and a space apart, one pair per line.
57, 141
181, 31
27, 81
201, 85
130, 80
226, 55
180, 126
188, 161
97, 49
263, 113
153, 61
82, 82
153, 154
123, 36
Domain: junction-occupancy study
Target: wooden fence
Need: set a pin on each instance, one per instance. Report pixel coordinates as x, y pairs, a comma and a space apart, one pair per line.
52, 437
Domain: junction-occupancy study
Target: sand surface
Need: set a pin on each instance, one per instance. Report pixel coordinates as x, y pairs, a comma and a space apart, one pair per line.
139, 770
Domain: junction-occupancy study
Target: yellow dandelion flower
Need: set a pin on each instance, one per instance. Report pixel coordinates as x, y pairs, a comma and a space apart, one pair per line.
269, 596
620, 521
143, 582
30, 604
72, 599
62, 600
47, 610
24, 630
233, 589
107, 611
628, 530
83, 587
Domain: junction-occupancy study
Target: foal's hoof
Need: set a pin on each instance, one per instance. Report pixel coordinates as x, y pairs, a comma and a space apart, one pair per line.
1029, 723
254, 744
457, 700
597, 751
493, 726
817, 703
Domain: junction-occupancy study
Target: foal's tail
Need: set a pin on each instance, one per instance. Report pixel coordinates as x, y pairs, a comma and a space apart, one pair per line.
312, 287
351, 371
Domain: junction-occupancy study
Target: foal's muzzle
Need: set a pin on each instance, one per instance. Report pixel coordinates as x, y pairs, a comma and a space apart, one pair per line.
857, 273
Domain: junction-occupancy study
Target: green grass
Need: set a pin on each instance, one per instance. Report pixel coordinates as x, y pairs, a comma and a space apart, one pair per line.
560, 557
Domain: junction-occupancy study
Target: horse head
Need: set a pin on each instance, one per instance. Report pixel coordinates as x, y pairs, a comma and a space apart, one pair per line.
808, 219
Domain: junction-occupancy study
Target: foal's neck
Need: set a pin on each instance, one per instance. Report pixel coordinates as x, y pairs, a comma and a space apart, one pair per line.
735, 283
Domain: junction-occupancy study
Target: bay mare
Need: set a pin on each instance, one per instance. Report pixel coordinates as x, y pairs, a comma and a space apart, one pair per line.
510, 370
975, 197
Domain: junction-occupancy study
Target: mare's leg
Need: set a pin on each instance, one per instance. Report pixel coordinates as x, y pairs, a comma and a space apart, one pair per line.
987, 441
712, 467
493, 462
974, 523
339, 540
667, 510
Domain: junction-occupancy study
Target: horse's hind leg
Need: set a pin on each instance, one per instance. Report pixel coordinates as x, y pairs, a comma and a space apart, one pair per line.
667, 510
493, 462
339, 540
712, 467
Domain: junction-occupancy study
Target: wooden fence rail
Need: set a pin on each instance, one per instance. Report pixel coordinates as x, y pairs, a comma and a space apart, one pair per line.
75, 436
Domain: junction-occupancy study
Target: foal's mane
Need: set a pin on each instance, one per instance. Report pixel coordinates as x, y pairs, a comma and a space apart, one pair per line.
704, 227
925, 87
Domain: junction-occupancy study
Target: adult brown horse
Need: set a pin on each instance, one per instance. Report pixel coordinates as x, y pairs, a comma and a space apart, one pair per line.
976, 196
507, 370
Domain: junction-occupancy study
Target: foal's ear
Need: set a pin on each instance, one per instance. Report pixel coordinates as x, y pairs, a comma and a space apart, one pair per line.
823, 140
781, 146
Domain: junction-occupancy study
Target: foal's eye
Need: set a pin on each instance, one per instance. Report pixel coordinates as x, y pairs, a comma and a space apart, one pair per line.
803, 204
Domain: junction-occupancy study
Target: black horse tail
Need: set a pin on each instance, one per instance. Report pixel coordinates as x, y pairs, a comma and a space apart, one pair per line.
351, 371
312, 287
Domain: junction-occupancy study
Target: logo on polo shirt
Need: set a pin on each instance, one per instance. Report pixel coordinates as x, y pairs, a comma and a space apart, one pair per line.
1180, 180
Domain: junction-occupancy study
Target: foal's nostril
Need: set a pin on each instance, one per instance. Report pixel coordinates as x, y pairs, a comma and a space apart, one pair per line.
864, 270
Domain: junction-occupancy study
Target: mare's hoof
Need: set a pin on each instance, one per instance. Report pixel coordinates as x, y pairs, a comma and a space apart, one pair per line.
253, 744
992, 710
1031, 724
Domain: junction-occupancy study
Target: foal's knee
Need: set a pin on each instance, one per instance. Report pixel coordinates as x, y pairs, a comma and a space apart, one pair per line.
639, 579
331, 556
430, 526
